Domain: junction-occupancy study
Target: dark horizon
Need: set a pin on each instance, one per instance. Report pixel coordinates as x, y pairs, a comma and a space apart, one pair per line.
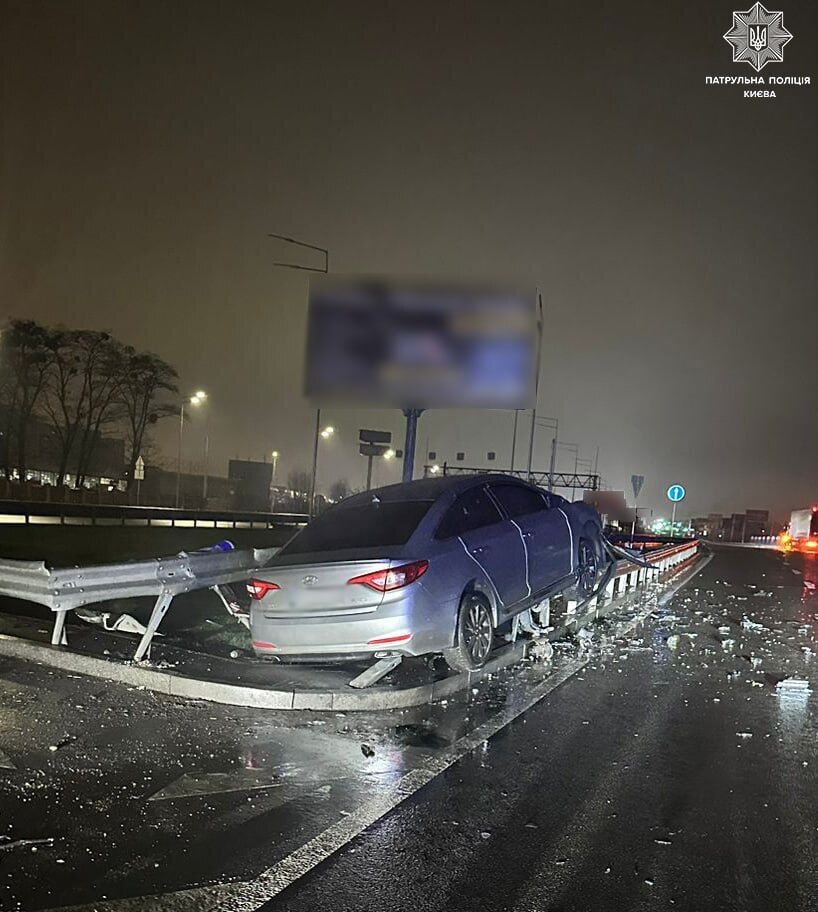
670, 225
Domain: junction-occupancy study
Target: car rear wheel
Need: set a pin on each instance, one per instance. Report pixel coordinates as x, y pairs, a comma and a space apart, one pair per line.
475, 634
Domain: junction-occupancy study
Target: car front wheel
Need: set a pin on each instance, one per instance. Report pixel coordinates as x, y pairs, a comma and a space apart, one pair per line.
475, 634
587, 568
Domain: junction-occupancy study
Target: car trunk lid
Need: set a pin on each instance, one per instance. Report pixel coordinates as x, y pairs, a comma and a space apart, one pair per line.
320, 590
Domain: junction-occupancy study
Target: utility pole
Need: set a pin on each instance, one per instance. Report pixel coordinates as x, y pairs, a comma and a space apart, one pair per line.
325, 269
536, 384
553, 463
514, 438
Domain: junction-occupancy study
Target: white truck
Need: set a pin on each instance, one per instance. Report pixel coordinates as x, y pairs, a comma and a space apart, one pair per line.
802, 534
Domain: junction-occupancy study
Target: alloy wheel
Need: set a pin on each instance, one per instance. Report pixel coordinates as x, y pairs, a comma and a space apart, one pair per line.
588, 568
477, 631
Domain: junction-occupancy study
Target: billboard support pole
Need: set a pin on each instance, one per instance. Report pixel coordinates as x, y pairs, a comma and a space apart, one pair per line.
412, 415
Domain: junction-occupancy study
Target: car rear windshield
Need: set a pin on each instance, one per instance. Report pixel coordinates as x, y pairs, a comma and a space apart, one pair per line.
368, 525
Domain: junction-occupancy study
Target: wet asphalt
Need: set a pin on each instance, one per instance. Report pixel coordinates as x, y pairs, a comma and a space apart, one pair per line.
673, 770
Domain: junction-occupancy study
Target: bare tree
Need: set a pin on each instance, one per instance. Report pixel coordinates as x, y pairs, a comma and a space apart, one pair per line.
147, 379
25, 359
86, 376
340, 490
64, 399
103, 361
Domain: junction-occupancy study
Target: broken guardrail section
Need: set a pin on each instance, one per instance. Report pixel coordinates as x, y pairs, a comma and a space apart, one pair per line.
62, 590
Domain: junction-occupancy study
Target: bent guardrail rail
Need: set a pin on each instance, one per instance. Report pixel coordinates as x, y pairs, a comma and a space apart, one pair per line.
62, 590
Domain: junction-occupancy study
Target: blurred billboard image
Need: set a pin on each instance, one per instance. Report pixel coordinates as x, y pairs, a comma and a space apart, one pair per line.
384, 343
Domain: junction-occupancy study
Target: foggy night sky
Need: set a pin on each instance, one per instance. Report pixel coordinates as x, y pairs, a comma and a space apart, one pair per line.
148, 148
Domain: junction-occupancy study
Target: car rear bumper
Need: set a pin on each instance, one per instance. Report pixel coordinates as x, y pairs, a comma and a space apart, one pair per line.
354, 636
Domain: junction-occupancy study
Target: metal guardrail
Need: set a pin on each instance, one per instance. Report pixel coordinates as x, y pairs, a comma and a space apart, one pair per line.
62, 590
15, 511
625, 576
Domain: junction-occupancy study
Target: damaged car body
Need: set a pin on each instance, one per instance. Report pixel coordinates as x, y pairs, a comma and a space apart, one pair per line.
437, 565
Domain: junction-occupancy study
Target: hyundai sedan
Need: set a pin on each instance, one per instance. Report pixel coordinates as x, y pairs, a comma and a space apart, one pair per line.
436, 565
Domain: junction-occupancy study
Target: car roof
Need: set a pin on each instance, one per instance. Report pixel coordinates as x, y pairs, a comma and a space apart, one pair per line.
428, 488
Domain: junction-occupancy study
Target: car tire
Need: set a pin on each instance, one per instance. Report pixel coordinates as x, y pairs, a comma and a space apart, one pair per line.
588, 569
475, 634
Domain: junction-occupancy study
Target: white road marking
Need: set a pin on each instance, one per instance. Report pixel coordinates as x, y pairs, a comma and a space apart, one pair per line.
250, 896
196, 784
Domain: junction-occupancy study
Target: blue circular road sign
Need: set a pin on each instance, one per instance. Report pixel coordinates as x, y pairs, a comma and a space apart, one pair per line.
675, 493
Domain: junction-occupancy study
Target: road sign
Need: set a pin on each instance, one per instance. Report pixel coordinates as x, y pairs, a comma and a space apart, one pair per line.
675, 493
139, 469
372, 449
637, 481
367, 436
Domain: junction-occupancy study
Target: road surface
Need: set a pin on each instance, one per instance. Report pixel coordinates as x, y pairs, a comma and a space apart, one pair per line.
654, 765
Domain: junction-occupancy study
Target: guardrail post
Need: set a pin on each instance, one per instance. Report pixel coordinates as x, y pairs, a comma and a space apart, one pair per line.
160, 609
58, 636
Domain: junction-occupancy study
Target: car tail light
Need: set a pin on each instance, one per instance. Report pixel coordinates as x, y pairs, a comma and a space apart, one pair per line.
396, 578
257, 589
260, 644
390, 640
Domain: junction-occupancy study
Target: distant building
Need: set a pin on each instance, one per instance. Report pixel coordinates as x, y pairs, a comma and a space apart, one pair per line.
251, 483
757, 523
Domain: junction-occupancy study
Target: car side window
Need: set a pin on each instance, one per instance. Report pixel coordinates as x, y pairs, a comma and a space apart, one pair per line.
517, 500
470, 511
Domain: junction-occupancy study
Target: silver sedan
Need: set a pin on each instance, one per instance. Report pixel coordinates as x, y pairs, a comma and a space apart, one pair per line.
434, 565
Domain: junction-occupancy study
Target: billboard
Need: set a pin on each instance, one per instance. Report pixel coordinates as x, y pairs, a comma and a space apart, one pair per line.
403, 344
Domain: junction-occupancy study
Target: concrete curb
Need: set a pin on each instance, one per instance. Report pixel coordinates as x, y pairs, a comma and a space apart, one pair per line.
176, 685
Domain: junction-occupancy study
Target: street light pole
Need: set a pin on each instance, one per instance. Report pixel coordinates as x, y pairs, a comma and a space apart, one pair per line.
274, 492
314, 461
206, 454
179, 455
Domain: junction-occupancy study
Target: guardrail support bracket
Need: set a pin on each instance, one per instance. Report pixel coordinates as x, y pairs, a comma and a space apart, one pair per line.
160, 609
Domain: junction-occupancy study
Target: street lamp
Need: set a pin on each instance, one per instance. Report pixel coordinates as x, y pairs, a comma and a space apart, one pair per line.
320, 434
198, 398
274, 492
